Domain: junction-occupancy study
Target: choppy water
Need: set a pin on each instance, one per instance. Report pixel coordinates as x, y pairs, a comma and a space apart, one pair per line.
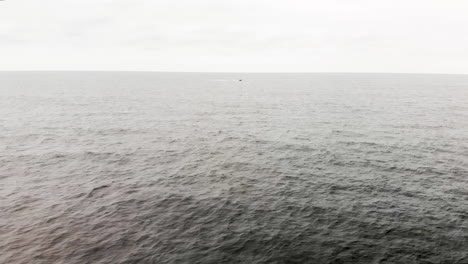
202, 168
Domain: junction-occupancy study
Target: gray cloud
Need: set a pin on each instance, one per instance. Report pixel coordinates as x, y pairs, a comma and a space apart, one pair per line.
222, 35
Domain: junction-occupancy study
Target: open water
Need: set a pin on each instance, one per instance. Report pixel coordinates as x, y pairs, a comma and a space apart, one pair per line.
116, 167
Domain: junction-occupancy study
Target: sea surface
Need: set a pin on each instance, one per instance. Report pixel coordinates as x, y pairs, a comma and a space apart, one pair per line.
121, 167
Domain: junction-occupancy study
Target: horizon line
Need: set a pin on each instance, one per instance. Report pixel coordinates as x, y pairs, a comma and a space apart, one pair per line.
238, 72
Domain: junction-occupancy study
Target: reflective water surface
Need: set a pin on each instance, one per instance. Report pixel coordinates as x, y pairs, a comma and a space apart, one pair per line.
202, 168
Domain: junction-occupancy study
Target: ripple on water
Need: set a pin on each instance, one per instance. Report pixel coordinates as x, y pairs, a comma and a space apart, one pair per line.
175, 168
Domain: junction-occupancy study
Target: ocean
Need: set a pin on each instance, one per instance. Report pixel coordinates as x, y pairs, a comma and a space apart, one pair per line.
141, 167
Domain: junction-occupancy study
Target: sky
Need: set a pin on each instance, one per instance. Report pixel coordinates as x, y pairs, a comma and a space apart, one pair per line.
408, 36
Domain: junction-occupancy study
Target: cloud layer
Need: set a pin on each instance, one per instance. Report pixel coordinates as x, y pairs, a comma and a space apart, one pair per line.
242, 35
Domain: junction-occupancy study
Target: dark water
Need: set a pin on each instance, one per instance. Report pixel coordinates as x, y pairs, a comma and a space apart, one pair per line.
202, 168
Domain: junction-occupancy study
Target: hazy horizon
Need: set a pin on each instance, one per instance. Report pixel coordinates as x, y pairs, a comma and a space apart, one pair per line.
233, 72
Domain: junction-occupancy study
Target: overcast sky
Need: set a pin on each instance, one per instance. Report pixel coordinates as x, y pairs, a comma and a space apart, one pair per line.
427, 36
